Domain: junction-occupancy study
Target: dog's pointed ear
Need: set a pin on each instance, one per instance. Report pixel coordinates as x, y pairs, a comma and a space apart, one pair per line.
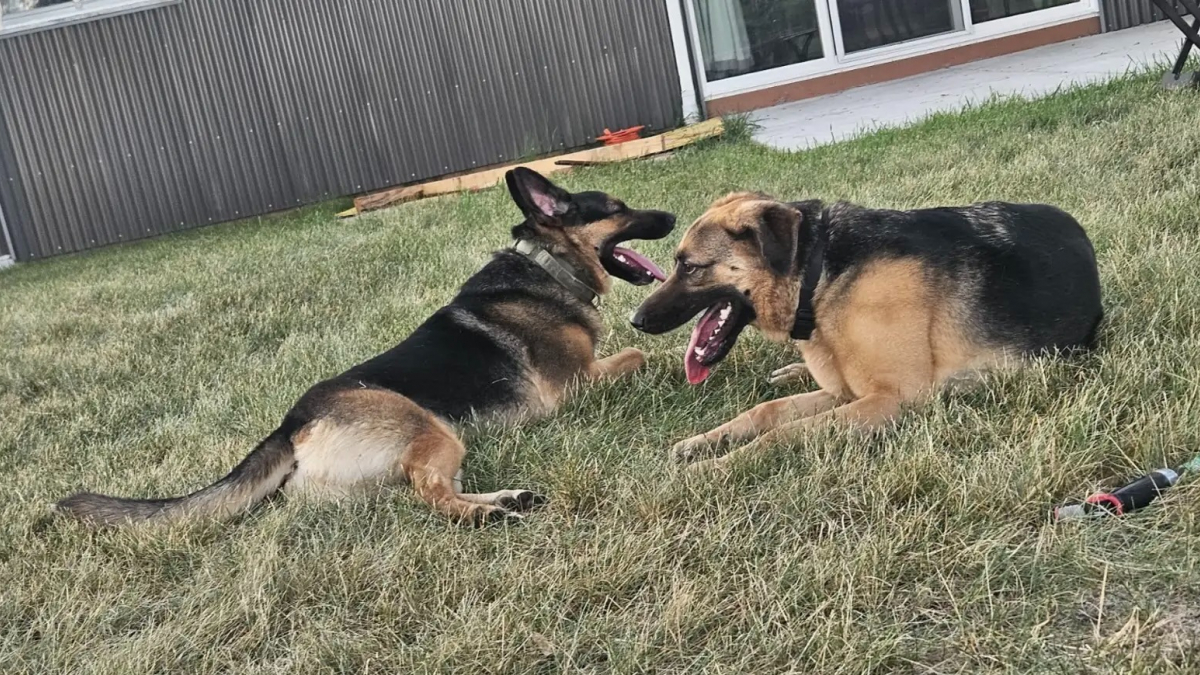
536, 196
779, 235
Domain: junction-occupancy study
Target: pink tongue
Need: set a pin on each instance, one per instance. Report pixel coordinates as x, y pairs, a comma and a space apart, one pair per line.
642, 261
696, 371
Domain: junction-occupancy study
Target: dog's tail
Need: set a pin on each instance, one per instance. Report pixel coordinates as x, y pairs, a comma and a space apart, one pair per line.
257, 477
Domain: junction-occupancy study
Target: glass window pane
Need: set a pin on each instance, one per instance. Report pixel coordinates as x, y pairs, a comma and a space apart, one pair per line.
987, 10
874, 23
9, 7
746, 36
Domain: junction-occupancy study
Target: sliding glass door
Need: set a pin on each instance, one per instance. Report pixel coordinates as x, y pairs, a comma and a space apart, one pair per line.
866, 24
990, 10
738, 37
744, 45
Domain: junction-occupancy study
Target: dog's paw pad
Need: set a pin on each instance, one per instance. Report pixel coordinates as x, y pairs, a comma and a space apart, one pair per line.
511, 518
497, 516
533, 500
524, 500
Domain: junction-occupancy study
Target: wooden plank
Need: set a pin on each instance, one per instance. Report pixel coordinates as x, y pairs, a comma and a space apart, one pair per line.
479, 180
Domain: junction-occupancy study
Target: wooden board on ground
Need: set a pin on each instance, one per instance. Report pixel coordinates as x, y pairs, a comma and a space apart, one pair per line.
479, 180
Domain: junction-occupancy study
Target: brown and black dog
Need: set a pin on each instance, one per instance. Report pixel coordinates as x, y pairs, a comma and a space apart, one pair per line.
886, 307
519, 333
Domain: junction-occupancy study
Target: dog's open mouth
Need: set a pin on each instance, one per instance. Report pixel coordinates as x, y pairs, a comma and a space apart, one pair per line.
714, 335
629, 265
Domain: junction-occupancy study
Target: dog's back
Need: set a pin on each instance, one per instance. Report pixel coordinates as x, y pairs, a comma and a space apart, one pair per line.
489, 350
1024, 275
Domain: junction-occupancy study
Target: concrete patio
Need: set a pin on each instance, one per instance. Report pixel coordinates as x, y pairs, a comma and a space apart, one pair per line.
1032, 73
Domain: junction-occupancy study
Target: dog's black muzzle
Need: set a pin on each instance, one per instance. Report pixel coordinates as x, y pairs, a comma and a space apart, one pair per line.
672, 305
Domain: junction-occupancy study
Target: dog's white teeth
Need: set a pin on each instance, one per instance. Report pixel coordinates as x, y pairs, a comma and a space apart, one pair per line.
622, 259
699, 351
725, 313
720, 323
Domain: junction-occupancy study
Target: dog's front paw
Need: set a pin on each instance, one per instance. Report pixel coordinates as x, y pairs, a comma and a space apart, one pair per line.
714, 466
634, 357
692, 449
795, 372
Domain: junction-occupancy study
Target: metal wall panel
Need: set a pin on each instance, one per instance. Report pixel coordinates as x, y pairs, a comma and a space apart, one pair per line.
1118, 14
212, 110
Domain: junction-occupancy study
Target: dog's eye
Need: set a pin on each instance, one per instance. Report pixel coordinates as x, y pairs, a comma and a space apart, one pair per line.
687, 268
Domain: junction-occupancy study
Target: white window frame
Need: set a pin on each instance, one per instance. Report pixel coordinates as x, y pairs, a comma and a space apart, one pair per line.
67, 13
835, 61
681, 45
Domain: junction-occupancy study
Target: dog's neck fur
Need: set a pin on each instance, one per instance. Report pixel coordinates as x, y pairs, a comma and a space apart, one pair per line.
778, 313
775, 323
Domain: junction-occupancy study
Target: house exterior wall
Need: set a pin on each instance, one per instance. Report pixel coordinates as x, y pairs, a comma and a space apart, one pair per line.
1119, 14
213, 110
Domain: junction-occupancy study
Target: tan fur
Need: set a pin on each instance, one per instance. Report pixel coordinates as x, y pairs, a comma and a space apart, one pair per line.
357, 444
374, 438
580, 243
618, 365
544, 399
885, 337
550, 388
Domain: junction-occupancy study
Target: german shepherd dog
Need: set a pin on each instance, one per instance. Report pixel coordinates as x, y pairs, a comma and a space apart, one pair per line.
886, 307
508, 346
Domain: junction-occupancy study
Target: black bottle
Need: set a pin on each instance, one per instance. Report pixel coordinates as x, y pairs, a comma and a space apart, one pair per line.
1131, 497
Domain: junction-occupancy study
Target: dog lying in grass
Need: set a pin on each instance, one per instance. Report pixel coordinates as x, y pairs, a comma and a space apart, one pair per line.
886, 307
519, 333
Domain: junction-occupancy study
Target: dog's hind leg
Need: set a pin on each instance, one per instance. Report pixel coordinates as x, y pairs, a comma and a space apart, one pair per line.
760, 419
509, 500
370, 437
432, 463
869, 412
513, 500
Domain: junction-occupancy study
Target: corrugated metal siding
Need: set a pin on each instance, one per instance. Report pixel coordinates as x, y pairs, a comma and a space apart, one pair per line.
12, 195
213, 110
1120, 14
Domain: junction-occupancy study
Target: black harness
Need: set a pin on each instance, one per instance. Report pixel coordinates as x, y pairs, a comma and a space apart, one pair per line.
814, 264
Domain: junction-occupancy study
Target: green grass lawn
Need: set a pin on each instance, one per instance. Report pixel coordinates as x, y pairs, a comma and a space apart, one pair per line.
151, 369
